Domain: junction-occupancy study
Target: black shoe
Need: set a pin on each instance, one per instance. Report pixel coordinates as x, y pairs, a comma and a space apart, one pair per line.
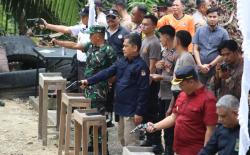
168, 150
110, 124
158, 149
2, 104
90, 148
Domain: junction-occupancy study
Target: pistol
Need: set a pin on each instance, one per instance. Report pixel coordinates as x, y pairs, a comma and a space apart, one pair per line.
46, 38
74, 84
139, 127
34, 22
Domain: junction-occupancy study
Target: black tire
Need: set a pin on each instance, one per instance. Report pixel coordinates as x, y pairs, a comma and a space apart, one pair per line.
19, 79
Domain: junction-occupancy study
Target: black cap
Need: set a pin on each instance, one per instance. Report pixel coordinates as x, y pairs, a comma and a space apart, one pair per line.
84, 11
187, 72
112, 12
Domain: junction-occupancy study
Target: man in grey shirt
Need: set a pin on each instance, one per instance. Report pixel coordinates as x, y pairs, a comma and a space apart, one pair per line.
182, 40
151, 53
206, 41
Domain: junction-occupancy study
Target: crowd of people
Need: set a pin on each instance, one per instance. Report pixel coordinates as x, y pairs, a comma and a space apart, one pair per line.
178, 73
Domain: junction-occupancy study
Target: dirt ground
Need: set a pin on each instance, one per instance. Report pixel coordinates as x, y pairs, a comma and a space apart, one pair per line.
18, 132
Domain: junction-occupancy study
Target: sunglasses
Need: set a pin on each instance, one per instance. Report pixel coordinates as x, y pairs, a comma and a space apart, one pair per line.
110, 17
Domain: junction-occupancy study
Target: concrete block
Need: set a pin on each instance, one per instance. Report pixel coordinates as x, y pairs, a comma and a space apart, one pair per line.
137, 150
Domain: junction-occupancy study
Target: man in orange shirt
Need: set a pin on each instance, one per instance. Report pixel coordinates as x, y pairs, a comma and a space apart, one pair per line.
179, 20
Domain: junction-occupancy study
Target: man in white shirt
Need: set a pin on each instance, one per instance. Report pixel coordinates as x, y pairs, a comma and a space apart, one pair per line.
199, 16
82, 37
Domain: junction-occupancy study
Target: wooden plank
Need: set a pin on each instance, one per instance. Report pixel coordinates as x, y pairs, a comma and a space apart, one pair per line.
44, 115
104, 138
95, 139
78, 136
85, 136
4, 67
62, 128
40, 112
67, 134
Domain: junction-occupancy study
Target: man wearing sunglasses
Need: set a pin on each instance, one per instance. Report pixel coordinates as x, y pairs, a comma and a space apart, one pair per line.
115, 32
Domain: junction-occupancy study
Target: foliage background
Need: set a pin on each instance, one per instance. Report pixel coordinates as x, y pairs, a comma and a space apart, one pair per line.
13, 13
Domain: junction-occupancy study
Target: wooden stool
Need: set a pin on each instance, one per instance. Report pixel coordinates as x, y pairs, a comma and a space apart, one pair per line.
84, 119
69, 101
49, 81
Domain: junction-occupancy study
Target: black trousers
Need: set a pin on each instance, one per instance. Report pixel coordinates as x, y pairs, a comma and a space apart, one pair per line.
76, 74
152, 114
169, 132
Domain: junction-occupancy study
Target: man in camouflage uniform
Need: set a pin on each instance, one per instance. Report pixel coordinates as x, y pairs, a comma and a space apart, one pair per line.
100, 55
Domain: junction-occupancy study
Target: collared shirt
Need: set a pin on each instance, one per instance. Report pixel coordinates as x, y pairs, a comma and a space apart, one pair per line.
116, 40
225, 141
193, 113
82, 38
208, 41
169, 57
131, 87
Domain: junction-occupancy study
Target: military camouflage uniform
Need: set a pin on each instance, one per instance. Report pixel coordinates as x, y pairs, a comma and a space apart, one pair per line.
98, 58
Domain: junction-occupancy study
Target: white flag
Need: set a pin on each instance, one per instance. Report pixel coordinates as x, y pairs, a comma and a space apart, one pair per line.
92, 13
243, 12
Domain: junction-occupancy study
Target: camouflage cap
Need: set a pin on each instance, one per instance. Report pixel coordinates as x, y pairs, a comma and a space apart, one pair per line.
96, 29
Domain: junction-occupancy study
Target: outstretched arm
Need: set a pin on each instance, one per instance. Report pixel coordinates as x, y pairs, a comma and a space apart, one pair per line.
163, 124
57, 28
100, 76
68, 44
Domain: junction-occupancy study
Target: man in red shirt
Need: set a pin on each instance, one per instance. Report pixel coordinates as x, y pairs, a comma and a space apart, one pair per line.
194, 114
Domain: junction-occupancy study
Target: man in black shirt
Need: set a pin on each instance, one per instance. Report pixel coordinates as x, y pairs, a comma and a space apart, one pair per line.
225, 139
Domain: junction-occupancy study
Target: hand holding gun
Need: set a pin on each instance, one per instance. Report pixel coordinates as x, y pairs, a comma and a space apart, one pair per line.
35, 22
48, 39
139, 127
74, 84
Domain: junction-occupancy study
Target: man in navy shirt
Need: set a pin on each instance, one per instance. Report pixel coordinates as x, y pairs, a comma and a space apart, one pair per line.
115, 32
225, 139
131, 88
